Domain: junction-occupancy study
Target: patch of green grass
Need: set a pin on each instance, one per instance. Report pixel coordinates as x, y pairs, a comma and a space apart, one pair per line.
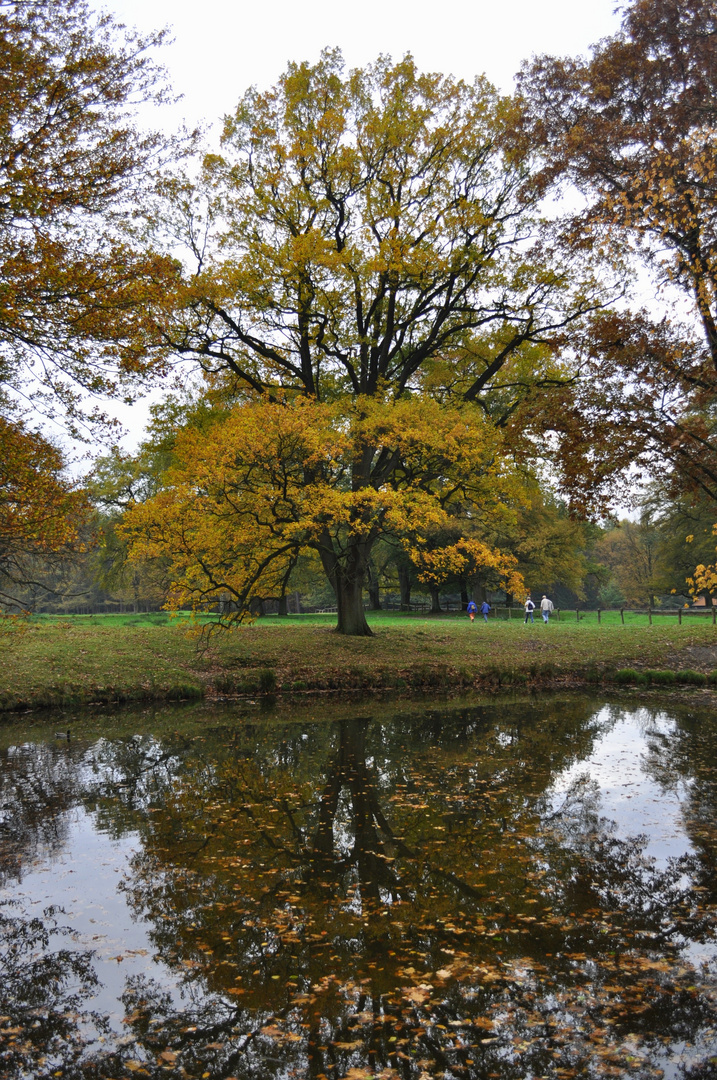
103, 658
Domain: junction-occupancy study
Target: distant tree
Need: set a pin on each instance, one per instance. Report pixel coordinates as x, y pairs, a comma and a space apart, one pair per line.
548, 544
703, 580
685, 538
631, 551
41, 514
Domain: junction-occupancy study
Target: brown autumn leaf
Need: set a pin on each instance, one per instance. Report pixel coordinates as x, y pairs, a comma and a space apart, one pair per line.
273, 1032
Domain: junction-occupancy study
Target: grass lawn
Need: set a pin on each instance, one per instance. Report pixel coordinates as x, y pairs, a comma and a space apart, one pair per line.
107, 658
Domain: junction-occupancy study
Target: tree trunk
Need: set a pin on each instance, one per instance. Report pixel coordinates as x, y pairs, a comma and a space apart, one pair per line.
404, 584
464, 595
347, 578
480, 593
349, 601
374, 592
283, 600
435, 599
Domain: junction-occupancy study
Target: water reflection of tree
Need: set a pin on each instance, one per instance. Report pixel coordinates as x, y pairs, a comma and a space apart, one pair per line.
361, 838
37, 788
418, 912
41, 782
682, 760
44, 988
418, 906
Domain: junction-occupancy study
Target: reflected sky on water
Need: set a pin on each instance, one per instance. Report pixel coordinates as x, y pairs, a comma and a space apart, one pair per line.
513, 889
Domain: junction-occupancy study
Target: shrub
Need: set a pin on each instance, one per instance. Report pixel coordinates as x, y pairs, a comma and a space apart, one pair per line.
592, 674
626, 675
225, 684
184, 692
267, 681
692, 678
662, 678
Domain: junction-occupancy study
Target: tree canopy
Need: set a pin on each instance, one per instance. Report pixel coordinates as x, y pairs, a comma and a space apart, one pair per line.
75, 283
633, 127
364, 242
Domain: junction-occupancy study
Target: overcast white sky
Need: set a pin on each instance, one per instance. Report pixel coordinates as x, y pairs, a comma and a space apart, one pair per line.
222, 47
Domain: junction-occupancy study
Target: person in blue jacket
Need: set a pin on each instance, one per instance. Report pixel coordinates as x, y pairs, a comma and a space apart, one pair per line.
472, 609
484, 609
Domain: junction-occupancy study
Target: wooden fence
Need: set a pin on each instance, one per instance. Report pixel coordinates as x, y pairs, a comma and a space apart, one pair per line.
581, 613
561, 615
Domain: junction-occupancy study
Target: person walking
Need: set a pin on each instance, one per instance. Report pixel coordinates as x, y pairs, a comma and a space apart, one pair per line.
484, 609
529, 609
472, 609
546, 606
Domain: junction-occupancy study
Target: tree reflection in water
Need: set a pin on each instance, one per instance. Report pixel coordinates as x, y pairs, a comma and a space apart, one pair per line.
421, 910
44, 992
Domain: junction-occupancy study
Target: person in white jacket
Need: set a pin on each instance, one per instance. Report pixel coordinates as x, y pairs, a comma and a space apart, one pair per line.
546, 606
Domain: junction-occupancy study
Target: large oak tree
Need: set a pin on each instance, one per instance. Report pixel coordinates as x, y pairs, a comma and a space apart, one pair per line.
365, 244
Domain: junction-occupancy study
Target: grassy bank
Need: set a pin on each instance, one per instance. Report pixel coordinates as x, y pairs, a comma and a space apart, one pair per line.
108, 659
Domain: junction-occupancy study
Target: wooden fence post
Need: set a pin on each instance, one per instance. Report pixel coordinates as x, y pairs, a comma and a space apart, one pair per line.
714, 615
679, 615
622, 615
598, 616
649, 615
557, 614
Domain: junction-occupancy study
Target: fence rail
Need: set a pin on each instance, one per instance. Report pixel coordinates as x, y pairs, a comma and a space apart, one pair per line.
560, 614
581, 613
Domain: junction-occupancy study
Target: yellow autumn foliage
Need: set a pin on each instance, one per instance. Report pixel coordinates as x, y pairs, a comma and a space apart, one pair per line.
704, 578
274, 479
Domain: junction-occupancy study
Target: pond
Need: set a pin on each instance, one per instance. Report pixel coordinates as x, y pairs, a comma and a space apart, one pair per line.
504, 889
